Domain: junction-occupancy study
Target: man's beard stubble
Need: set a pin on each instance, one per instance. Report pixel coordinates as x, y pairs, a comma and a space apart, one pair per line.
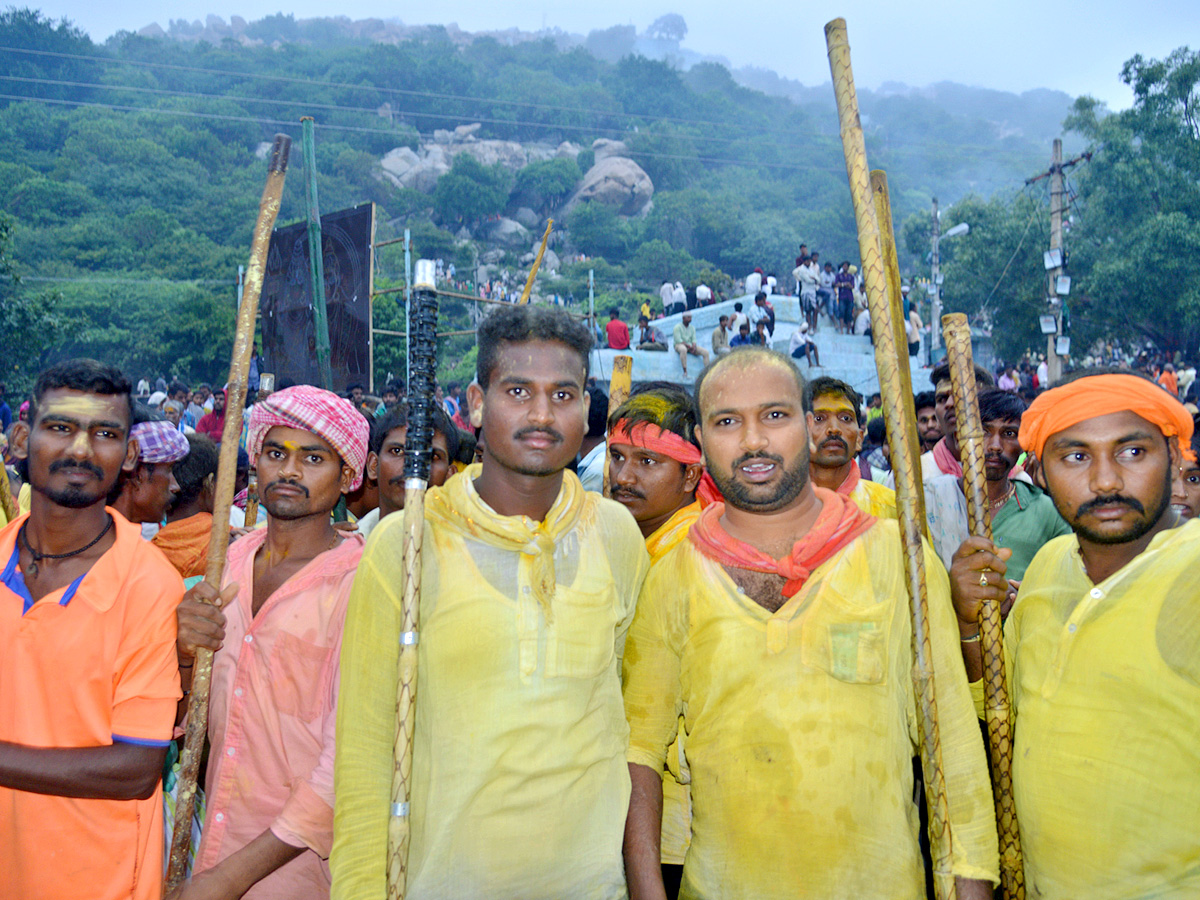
787, 489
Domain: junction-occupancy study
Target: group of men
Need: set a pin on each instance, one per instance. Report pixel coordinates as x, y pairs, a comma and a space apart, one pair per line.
699, 685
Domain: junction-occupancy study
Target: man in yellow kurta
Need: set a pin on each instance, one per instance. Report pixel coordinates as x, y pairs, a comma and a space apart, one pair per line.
780, 631
1103, 649
654, 467
834, 409
519, 785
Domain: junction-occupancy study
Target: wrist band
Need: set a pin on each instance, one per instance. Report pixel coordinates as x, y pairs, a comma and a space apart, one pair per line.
973, 639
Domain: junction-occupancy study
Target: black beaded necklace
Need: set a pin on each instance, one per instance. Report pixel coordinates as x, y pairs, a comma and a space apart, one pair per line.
38, 557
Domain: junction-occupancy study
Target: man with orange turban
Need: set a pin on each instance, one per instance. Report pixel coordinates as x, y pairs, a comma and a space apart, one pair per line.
1103, 648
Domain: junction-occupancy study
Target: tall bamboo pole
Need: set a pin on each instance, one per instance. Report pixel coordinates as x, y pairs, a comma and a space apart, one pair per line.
996, 705
619, 387
537, 263
897, 408
218, 544
418, 450
891, 266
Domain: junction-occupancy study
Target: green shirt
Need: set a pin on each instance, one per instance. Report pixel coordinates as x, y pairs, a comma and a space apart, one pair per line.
1024, 524
684, 334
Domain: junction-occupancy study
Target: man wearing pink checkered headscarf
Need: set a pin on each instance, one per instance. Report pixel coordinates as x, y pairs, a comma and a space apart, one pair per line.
276, 627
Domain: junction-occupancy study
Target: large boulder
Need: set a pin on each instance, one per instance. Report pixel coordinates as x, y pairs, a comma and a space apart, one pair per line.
507, 233
527, 217
568, 149
617, 182
406, 168
603, 148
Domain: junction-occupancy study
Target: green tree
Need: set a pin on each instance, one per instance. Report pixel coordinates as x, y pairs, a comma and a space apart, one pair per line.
1134, 245
471, 191
597, 230
29, 324
544, 184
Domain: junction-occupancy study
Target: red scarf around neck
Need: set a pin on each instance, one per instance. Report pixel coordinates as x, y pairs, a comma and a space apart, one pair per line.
840, 522
852, 480
945, 460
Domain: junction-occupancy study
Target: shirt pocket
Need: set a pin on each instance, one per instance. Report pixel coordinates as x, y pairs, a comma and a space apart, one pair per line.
583, 634
299, 673
847, 641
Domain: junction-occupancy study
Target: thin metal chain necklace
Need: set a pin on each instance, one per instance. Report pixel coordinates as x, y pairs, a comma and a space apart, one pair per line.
38, 557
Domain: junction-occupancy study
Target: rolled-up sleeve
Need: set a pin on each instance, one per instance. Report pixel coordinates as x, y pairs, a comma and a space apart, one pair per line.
650, 673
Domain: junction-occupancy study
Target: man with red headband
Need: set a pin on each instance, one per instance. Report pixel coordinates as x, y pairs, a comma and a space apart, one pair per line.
276, 628
1103, 648
833, 409
780, 631
654, 468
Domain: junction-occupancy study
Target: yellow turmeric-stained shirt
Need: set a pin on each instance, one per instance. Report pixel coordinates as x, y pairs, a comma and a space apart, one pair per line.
677, 799
875, 499
519, 783
1106, 688
802, 724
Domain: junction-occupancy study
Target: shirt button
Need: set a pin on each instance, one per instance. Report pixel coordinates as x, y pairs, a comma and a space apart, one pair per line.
1096, 593
1071, 628
230, 752
237, 692
220, 817
249, 639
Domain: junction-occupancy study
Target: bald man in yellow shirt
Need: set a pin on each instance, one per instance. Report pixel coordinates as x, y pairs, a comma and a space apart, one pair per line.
1103, 649
780, 631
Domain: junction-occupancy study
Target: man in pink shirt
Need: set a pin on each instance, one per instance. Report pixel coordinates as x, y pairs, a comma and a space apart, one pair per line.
277, 630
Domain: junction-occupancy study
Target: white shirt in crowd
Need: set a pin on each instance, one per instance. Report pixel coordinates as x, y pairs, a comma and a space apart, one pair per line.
703, 293
753, 283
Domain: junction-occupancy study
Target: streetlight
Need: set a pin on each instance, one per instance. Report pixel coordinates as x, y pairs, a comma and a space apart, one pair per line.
935, 289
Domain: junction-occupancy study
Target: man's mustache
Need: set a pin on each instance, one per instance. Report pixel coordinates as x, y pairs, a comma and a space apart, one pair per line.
834, 441
1113, 500
68, 465
291, 484
627, 492
532, 430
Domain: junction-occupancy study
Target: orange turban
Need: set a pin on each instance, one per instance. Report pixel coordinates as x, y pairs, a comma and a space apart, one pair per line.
1098, 395
655, 439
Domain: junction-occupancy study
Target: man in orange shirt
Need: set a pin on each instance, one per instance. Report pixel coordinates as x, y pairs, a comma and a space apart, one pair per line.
88, 675
268, 823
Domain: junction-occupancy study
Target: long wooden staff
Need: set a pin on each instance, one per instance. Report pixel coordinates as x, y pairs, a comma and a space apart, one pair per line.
418, 452
999, 719
897, 409
618, 392
218, 543
537, 263
6, 498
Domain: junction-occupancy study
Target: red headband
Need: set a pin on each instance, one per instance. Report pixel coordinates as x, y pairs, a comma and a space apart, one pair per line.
651, 437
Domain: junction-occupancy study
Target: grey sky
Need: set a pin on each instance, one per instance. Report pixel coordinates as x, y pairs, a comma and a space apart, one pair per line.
1077, 46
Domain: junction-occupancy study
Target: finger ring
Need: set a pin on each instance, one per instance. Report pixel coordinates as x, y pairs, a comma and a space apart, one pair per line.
983, 582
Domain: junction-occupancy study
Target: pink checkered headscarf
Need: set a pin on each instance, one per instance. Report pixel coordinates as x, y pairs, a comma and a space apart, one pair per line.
323, 413
159, 442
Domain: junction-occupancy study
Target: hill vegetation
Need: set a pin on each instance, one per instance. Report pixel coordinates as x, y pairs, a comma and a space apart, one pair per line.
129, 177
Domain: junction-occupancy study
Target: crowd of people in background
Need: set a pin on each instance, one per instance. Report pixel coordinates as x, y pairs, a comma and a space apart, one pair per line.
647, 633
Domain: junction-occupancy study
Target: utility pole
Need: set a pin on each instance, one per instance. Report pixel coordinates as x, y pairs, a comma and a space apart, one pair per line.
1056, 259
935, 289
1053, 361
316, 256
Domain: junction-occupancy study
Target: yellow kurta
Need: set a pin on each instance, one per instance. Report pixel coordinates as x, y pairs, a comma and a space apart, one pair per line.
1106, 687
801, 726
677, 798
520, 786
874, 499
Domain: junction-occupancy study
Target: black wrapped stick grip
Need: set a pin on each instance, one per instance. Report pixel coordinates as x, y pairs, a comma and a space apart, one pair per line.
422, 350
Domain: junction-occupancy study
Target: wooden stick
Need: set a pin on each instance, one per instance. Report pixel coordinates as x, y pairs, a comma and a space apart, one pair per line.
7, 503
235, 402
897, 408
957, 333
418, 448
891, 266
618, 392
252, 504
537, 263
